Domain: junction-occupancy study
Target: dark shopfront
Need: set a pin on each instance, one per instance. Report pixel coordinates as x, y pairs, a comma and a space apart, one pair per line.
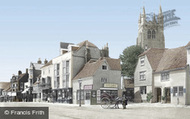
63, 95
47, 95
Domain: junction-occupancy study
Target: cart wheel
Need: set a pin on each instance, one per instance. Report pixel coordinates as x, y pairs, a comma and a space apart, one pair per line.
105, 102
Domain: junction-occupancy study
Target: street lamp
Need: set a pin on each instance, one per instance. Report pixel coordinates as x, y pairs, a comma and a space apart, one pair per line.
80, 82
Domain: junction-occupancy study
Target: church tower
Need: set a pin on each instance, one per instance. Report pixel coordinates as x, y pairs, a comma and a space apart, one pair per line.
151, 33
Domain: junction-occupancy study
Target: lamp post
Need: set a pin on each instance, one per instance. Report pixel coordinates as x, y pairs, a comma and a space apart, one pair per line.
80, 82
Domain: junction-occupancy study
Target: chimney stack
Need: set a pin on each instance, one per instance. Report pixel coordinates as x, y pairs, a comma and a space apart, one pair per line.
26, 70
45, 61
39, 61
19, 73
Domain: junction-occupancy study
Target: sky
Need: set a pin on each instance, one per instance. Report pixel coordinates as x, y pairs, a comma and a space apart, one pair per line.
34, 29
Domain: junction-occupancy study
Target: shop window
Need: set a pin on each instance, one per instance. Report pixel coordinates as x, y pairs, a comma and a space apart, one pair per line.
143, 89
174, 91
180, 91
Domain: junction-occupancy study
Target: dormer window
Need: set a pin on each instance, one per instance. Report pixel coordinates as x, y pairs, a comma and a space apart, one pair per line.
104, 67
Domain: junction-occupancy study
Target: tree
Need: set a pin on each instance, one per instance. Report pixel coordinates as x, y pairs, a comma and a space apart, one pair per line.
129, 60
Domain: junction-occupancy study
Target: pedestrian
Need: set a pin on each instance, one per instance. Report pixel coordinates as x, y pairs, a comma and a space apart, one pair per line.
124, 99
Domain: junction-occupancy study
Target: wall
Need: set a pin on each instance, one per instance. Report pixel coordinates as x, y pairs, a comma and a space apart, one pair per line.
113, 76
85, 81
48, 71
59, 60
176, 78
147, 82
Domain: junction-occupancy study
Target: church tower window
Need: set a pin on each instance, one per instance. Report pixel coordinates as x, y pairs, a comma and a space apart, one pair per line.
153, 34
149, 34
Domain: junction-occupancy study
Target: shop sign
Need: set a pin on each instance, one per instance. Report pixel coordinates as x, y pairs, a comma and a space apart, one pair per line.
110, 85
88, 87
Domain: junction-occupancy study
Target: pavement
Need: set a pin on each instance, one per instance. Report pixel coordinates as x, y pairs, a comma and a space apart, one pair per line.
133, 111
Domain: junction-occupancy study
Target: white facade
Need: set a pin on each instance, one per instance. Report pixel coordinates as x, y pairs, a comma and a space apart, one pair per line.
177, 79
139, 82
95, 82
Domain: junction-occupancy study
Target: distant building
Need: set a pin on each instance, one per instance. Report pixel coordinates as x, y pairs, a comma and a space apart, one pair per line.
43, 86
3, 86
34, 73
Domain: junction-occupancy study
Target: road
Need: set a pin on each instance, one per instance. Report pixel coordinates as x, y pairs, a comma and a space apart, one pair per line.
133, 111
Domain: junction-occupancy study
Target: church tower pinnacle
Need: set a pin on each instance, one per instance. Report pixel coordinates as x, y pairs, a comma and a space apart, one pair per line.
151, 33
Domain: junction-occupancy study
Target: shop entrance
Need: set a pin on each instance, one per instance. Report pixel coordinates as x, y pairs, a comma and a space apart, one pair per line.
168, 96
158, 94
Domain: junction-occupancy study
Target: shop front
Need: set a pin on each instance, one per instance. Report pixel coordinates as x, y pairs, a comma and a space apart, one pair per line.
63, 95
109, 88
88, 95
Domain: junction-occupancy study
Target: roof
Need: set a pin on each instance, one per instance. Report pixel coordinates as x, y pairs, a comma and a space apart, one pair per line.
37, 82
172, 59
91, 67
37, 66
188, 45
21, 76
86, 42
7, 87
3, 85
166, 59
47, 64
65, 45
154, 56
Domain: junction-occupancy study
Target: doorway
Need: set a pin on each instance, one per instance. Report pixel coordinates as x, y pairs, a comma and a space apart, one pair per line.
168, 95
158, 94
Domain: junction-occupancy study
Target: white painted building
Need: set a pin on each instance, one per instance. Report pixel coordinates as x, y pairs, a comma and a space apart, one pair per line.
66, 66
97, 76
165, 74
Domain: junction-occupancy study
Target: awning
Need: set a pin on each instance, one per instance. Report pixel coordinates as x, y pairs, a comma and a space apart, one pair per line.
108, 88
11, 93
25, 90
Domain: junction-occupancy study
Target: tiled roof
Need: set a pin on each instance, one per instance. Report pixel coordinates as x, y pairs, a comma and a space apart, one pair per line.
3, 85
37, 66
49, 63
188, 45
172, 59
154, 56
91, 67
21, 76
7, 87
166, 59
86, 42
